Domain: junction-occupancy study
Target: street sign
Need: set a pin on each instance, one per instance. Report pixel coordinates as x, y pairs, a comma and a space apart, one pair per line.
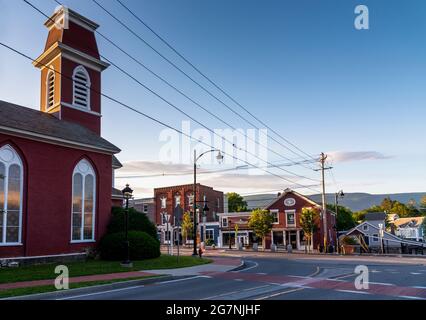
178, 213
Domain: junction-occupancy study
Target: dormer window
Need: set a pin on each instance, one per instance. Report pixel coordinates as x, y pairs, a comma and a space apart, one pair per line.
50, 85
81, 88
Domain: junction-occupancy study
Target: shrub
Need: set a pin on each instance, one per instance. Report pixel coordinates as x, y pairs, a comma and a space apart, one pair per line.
209, 242
349, 241
138, 221
142, 246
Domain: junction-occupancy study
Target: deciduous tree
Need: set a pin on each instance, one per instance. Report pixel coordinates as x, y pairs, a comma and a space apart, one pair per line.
309, 223
261, 223
236, 202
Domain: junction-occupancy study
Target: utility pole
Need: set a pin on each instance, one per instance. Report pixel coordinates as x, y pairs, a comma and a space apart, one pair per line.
324, 203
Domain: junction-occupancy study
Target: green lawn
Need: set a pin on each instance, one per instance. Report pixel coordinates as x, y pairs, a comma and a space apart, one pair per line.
91, 267
44, 289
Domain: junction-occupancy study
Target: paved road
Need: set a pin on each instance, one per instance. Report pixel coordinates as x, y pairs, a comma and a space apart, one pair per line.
273, 278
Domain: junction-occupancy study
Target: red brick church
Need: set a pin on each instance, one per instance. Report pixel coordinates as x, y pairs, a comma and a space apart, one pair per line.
56, 171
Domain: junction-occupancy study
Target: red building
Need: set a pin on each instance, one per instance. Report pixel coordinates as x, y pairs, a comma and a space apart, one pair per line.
167, 198
56, 171
286, 229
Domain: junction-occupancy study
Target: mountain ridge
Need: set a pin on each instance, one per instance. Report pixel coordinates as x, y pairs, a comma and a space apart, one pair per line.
355, 201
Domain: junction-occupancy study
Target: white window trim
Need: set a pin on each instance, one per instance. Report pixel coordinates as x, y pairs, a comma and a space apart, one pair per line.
165, 202
88, 86
90, 171
212, 231
286, 218
375, 237
51, 70
16, 160
227, 222
278, 215
177, 196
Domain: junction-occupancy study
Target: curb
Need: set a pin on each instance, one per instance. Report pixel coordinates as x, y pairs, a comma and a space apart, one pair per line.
109, 286
238, 268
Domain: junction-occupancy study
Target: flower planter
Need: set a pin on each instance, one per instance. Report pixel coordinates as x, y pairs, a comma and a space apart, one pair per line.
348, 249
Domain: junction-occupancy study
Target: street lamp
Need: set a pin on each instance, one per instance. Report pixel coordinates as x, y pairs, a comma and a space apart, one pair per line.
336, 201
219, 158
127, 194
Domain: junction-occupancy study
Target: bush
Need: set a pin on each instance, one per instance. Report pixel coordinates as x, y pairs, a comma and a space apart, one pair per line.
142, 246
138, 221
209, 242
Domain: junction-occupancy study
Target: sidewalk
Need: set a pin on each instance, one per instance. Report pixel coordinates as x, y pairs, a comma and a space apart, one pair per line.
218, 265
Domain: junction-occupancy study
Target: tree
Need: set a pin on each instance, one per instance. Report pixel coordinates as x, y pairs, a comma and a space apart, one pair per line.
261, 223
187, 226
236, 202
309, 223
423, 204
424, 227
387, 204
345, 217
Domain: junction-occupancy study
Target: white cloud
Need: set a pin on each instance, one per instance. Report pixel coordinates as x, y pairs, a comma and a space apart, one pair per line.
347, 156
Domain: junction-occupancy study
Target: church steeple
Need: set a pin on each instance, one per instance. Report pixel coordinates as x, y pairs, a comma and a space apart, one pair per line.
71, 70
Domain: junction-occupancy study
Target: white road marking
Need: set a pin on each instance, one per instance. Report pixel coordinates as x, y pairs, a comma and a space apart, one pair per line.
419, 287
415, 273
232, 292
98, 293
411, 297
375, 271
382, 283
184, 279
249, 268
353, 291
279, 294
261, 273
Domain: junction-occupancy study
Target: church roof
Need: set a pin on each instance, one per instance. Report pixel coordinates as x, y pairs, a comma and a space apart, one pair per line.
23, 121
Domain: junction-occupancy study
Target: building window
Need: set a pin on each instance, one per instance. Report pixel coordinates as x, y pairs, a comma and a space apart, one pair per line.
83, 202
145, 208
209, 234
190, 200
365, 227
50, 85
375, 238
177, 200
291, 218
164, 218
275, 216
81, 88
11, 186
163, 201
224, 222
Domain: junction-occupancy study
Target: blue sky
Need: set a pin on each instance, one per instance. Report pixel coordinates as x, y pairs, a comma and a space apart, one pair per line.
301, 66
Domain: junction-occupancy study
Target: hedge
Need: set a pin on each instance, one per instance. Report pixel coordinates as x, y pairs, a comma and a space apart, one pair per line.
142, 246
138, 221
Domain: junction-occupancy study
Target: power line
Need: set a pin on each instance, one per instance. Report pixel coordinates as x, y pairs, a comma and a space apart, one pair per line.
205, 76
190, 172
150, 117
197, 83
177, 108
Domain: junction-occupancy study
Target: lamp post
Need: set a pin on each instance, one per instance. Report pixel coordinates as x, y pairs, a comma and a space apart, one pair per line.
127, 193
219, 157
336, 201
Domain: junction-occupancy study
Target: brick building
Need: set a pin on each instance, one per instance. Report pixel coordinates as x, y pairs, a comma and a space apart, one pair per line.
56, 171
167, 198
146, 206
286, 229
